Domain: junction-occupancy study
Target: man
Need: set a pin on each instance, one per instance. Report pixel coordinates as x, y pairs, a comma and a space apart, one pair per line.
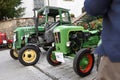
109, 68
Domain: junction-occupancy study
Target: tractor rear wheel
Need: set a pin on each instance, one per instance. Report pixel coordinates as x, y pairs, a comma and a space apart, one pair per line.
29, 55
51, 57
14, 54
83, 62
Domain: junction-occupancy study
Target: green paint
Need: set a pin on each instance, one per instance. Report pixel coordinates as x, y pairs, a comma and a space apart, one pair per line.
44, 18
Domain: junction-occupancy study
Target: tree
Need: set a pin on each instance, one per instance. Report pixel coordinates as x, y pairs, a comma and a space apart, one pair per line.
10, 9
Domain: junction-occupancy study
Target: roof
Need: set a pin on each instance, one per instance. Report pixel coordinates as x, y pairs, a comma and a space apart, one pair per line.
53, 11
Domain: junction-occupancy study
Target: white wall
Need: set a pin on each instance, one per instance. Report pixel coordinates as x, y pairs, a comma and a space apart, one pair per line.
74, 6
51, 2
28, 4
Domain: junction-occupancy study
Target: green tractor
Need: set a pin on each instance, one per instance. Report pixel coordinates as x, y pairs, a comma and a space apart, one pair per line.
22, 36
77, 42
27, 40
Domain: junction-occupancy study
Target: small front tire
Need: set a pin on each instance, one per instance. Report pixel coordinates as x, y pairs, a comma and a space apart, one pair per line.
9, 45
14, 54
29, 55
51, 57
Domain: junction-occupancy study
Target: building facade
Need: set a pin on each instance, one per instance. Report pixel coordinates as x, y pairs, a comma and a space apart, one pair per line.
73, 5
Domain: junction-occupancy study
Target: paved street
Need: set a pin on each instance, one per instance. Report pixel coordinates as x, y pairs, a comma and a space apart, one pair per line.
12, 70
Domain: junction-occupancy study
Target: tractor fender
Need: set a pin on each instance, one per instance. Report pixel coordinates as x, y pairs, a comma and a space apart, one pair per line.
90, 49
34, 45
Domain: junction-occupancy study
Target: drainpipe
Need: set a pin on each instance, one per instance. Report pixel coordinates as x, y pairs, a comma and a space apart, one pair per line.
48, 3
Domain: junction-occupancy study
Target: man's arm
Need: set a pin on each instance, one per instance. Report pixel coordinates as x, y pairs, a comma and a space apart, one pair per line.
97, 7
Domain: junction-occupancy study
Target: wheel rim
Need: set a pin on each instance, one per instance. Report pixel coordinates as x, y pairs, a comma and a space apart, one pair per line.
10, 45
53, 58
29, 56
86, 63
15, 53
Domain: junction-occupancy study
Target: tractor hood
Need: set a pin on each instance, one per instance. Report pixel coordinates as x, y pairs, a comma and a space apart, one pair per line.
29, 28
68, 28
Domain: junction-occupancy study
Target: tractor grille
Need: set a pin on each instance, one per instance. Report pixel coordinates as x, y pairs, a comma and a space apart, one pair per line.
57, 37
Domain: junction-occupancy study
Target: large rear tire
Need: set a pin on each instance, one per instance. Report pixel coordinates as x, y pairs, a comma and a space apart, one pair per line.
83, 62
51, 57
29, 55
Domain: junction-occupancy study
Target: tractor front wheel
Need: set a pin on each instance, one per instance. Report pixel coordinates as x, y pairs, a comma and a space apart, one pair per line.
51, 57
9, 45
29, 55
83, 62
14, 54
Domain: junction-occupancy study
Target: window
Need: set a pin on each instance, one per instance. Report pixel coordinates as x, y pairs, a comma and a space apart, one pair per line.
41, 19
65, 17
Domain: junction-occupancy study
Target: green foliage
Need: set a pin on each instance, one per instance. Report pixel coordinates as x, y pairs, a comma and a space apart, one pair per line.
88, 18
10, 9
72, 15
91, 22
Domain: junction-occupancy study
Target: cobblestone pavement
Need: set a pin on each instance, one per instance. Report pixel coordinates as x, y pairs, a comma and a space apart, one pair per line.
62, 72
12, 70
41, 71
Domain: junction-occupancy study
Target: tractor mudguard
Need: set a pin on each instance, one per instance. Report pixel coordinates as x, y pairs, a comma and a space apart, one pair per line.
34, 45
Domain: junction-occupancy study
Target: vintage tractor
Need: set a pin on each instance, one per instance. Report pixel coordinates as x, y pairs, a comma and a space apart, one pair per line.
22, 36
28, 39
4, 41
74, 41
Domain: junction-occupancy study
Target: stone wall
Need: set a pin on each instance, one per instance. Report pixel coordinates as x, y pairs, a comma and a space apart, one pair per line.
9, 26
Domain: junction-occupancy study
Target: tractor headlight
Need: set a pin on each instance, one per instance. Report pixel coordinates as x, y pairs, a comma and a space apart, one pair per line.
68, 43
53, 44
